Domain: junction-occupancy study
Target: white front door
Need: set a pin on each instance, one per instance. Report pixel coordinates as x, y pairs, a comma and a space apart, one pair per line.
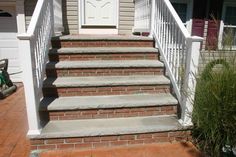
100, 12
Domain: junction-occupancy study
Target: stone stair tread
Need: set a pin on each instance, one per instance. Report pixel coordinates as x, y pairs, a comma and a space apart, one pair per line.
103, 50
103, 38
103, 102
94, 81
112, 126
105, 64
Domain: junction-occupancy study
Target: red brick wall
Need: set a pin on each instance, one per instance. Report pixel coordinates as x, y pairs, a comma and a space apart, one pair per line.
119, 90
109, 141
113, 113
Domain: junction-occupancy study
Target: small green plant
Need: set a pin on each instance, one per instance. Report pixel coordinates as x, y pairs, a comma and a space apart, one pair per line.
214, 114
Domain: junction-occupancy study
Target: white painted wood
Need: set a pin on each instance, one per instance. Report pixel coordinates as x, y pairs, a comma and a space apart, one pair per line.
100, 12
191, 71
179, 51
189, 12
20, 16
142, 16
34, 47
100, 29
58, 20
30, 87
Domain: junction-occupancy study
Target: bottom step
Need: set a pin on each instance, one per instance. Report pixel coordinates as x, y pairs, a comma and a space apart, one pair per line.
80, 134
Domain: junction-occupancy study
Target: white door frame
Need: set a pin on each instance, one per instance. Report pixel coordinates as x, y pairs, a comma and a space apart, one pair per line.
99, 30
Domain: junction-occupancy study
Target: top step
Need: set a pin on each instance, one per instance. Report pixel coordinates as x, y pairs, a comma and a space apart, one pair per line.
101, 41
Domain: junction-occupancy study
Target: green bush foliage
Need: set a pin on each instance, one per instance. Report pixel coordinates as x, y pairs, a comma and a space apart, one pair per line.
214, 114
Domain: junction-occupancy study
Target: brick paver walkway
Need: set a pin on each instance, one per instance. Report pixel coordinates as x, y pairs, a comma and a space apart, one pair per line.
13, 126
13, 141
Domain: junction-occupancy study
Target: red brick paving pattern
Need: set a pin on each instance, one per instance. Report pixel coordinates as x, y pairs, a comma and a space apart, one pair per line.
13, 126
154, 150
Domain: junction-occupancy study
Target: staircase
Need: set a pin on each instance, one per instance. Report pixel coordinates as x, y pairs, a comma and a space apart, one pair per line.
106, 91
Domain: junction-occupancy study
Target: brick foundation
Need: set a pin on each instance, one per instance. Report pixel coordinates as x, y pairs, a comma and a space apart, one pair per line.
104, 72
109, 141
116, 90
111, 56
113, 113
111, 43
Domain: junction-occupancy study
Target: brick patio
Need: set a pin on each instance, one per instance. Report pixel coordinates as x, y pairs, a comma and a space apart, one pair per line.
13, 126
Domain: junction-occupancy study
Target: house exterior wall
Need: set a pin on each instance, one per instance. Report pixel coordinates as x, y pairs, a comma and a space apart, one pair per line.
71, 16
70, 13
10, 27
126, 16
208, 56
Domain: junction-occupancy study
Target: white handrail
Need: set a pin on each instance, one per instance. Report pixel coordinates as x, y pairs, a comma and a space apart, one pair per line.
34, 46
179, 51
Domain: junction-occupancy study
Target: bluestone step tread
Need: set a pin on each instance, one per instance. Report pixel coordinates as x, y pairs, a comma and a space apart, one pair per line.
103, 50
112, 126
105, 64
102, 38
106, 81
103, 102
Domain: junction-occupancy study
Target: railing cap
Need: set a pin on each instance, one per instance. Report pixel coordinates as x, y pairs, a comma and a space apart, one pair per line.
195, 39
25, 36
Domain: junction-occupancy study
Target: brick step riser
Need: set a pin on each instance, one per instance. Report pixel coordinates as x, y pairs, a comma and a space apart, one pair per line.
84, 143
104, 72
113, 113
59, 44
111, 56
93, 91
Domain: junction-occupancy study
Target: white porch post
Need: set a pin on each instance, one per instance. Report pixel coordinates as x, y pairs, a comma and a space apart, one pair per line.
20, 16
191, 71
152, 17
58, 18
31, 98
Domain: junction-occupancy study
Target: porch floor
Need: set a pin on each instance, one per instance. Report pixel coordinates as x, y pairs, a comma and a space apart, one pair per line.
13, 141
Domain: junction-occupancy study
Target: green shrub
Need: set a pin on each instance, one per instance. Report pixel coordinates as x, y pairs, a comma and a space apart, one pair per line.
214, 114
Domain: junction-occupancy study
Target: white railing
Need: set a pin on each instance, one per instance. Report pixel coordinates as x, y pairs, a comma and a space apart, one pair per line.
180, 53
34, 46
142, 15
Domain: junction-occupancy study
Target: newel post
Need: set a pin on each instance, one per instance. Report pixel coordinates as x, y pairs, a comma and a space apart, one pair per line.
31, 97
191, 71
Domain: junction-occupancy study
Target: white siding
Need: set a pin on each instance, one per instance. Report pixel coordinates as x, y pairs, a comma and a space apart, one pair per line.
70, 16
9, 43
126, 16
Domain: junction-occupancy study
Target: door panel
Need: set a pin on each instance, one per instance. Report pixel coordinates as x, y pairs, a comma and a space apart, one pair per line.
100, 12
